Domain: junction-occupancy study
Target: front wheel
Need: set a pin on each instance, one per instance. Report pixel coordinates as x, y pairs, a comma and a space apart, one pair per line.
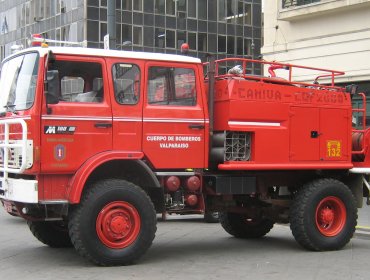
53, 233
114, 224
323, 215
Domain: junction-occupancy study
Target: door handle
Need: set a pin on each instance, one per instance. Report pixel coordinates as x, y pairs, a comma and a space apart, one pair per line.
196, 126
103, 125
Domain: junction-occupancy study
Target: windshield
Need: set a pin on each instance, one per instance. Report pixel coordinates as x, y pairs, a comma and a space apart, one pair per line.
18, 82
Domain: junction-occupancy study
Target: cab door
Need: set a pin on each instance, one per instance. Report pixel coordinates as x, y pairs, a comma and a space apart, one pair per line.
173, 116
80, 125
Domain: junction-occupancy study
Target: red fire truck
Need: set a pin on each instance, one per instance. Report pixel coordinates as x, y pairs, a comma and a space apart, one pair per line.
95, 142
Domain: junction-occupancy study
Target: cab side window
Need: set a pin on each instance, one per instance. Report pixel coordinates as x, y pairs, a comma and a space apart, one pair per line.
126, 80
171, 86
79, 81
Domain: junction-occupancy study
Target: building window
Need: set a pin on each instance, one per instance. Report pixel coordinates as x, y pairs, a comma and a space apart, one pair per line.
159, 37
126, 5
170, 39
126, 33
202, 9
170, 7
248, 14
138, 5
247, 47
181, 5
221, 10
230, 44
137, 32
202, 42
192, 8
181, 38
222, 44
294, 3
160, 7
192, 40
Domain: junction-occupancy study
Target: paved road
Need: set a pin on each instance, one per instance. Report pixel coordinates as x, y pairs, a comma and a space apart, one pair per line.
189, 249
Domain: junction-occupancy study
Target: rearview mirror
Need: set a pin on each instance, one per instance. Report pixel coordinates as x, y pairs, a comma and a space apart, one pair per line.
52, 89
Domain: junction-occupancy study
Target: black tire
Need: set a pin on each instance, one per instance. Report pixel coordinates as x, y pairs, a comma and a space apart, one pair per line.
240, 226
54, 234
121, 233
323, 215
211, 217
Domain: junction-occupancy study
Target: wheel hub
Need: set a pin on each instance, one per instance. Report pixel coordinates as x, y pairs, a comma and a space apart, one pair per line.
327, 216
330, 216
118, 224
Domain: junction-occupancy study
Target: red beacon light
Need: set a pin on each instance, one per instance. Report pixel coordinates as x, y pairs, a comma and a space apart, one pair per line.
185, 48
36, 40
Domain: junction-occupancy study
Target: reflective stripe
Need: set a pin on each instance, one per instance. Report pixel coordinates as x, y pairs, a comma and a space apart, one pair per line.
254, 123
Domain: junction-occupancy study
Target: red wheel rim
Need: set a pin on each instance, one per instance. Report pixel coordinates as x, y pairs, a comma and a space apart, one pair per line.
330, 216
118, 224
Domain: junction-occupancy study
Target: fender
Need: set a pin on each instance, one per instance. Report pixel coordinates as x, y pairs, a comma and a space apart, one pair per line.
77, 183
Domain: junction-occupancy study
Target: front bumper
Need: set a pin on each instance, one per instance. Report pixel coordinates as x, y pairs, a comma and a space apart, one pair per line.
19, 190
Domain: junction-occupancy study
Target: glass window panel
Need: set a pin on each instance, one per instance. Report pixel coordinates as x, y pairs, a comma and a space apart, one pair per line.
212, 43
126, 33
202, 9
231, 11
181, 5
159, 37
222, 44
137, 35
240, 13
138, 5
160, 7
248, 14
202, 42
103, 31
247, 47
192, 40
126, 5
212, 11
170, 39
170, 7
230, 44
181, 38
221, 10
192, 8
239, 46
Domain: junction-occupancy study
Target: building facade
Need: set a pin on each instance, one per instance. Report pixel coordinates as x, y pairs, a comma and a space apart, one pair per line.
332, 34
222, 27
320, 33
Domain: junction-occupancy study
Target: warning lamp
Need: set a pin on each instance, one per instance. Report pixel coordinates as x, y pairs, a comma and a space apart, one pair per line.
36, 40
185, 48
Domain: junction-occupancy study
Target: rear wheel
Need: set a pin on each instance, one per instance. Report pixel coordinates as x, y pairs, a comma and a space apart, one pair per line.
323, 215
53, 234
211, 217
241, 226
114, 224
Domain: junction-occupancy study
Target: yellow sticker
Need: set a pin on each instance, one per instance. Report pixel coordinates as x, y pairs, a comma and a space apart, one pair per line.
334, 148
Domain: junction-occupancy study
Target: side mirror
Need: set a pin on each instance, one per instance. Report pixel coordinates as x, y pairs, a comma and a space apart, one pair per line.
351, 89
52, 89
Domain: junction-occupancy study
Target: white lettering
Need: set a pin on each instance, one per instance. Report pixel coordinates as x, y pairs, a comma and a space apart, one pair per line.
174, 145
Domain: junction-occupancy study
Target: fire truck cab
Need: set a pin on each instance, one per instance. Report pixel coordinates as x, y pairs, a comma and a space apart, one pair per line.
95, 142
